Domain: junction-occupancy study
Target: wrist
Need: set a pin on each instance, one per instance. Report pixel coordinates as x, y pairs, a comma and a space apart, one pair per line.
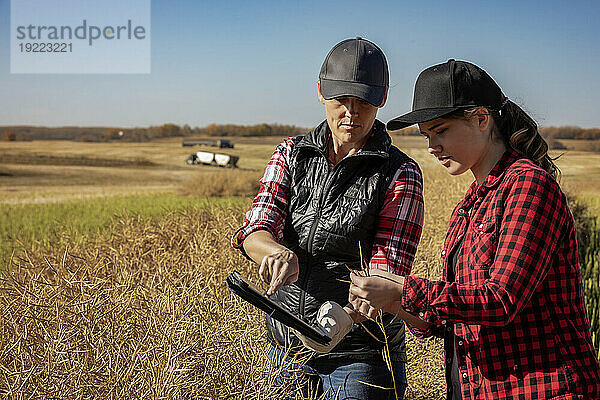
282, 251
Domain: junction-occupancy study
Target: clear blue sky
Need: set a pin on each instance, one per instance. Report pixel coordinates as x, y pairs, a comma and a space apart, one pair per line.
248, 62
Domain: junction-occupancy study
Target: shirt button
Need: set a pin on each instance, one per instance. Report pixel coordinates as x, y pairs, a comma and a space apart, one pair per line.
465, 375
480, 226
443, 322
461, 210
421, 315
443, 253
460, 342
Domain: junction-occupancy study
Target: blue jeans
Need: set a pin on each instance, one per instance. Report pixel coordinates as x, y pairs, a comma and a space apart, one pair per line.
338, 379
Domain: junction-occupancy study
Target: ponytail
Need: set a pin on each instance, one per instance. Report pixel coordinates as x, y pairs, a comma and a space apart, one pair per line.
520, 133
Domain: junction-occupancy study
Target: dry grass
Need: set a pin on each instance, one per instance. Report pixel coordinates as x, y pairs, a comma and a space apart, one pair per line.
142, 313
47, 159
24, 183
221, 182
167, 152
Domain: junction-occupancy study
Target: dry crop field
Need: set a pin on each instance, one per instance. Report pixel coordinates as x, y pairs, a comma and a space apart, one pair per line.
138, 308
49, 171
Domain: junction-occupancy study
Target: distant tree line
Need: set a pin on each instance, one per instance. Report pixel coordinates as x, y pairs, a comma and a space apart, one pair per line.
552, 134
103, 134
570, 132
409, 131
251, 130
8, 135
555, 132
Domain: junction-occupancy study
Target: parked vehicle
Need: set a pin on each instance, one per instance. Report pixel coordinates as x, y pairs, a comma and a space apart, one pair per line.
224, 143
214, 159
221, 143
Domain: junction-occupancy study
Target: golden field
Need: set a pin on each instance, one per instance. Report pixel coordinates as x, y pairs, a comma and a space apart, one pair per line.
137, 307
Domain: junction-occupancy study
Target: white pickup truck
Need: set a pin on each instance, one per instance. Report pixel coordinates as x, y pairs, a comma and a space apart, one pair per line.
214, 159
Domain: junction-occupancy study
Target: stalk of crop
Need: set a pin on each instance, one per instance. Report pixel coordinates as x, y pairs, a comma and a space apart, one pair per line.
364, 271
589, 257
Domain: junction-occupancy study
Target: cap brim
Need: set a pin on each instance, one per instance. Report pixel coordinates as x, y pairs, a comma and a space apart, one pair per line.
418, 116
330, 89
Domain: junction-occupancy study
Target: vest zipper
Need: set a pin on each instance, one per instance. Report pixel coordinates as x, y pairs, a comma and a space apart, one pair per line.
311, 235
313, 228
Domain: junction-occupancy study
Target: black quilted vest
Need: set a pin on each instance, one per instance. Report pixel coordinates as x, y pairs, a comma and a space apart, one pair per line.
331, 211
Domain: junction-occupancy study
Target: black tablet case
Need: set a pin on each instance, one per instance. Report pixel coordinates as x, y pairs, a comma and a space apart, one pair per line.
238, 285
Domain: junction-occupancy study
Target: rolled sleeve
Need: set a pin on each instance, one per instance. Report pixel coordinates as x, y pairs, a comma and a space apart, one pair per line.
269, 208
400, 222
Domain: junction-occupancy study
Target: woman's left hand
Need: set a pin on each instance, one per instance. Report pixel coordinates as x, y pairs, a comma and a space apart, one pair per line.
380, 291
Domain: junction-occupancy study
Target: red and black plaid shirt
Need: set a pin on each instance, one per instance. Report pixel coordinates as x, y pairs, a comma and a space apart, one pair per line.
516, 311
399, 225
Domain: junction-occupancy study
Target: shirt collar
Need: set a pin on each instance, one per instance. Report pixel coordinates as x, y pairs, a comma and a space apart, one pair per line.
493, 178
495, 175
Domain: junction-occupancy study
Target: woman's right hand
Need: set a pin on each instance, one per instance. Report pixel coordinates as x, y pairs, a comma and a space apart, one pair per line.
278, 264
279, 269
383, 291
378, 291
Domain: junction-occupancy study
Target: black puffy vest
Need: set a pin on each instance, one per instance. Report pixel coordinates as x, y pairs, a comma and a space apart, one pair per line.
331, 211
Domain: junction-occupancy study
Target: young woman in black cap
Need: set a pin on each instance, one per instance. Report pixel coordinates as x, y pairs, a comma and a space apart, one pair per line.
325, 196
509, 305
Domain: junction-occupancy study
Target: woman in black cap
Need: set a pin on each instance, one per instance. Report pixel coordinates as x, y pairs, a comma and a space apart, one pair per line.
510, 305
325, 196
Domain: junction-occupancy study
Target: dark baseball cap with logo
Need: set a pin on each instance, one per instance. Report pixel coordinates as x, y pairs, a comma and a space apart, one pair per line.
355, 67
445, 88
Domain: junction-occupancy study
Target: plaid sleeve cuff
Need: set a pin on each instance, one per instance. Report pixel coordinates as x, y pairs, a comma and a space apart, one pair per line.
237, 239
415, 299
432, 330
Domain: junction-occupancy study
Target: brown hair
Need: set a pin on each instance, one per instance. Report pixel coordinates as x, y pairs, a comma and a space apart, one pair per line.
519, 132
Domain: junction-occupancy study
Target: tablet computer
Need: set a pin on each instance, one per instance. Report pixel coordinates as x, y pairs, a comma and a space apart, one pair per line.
241, 287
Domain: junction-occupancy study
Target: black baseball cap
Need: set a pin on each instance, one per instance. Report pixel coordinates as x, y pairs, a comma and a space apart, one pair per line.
444, 88
355, 67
